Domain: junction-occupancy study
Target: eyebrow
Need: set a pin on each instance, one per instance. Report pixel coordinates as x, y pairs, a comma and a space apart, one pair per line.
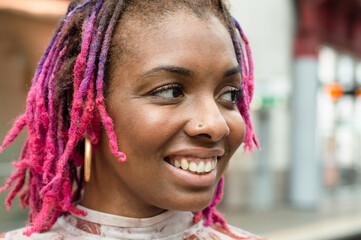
182, 71
232, 71
168, 68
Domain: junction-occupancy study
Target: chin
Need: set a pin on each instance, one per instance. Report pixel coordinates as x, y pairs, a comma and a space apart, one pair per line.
193, 202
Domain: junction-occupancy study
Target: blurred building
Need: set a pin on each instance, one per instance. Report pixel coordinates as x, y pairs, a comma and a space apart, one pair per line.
305, 183
306, 178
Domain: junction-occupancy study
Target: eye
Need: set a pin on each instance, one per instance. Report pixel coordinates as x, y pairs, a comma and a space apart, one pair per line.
233, 95
168, 91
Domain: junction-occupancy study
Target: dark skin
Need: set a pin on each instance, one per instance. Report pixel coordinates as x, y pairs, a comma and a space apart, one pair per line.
183, 72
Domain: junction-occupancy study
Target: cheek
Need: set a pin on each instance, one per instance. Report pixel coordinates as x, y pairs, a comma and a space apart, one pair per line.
237, 131
142, 126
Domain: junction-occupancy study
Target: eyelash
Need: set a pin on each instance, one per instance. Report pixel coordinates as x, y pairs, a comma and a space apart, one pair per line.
161, 89
237, 93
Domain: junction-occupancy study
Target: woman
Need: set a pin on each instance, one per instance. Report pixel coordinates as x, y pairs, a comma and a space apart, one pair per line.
159, 91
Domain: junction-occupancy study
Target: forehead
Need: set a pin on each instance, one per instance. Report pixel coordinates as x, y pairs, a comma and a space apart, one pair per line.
181, 39
136, 23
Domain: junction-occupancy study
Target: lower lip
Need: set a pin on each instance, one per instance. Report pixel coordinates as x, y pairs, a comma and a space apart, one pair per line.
193, 179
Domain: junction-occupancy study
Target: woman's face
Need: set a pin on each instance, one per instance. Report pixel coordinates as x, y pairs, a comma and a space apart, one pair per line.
173, 103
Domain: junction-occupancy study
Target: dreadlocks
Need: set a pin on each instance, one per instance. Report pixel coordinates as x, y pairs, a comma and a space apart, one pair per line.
66, 102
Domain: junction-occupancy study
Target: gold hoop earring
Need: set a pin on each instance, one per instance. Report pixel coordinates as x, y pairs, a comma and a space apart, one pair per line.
87, 159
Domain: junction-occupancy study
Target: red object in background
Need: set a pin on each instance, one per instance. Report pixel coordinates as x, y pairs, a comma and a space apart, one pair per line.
307, 40
328, 22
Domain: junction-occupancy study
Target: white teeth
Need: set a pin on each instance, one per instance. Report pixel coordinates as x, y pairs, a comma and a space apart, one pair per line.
177, 164
208, 167
204, 166
214, 164
193, 167
200, 167
184, 164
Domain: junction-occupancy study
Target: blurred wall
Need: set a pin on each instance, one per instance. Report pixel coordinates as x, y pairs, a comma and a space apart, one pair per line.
24, 33
263, 176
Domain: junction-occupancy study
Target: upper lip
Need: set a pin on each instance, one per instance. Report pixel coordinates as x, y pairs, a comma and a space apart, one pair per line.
198, 152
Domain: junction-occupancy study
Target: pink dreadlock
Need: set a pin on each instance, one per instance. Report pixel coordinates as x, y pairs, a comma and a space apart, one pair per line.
50, 156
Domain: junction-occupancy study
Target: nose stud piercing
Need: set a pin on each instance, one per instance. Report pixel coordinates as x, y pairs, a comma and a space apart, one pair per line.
200, 124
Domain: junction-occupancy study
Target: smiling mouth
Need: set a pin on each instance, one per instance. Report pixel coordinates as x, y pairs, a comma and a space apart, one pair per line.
192, 164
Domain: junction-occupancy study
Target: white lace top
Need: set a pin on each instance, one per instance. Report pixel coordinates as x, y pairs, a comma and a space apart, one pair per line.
170, 225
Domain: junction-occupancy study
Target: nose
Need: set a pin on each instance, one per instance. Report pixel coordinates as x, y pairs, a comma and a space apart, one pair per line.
207, 121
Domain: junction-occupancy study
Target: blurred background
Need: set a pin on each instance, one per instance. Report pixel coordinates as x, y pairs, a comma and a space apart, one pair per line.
305, 184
